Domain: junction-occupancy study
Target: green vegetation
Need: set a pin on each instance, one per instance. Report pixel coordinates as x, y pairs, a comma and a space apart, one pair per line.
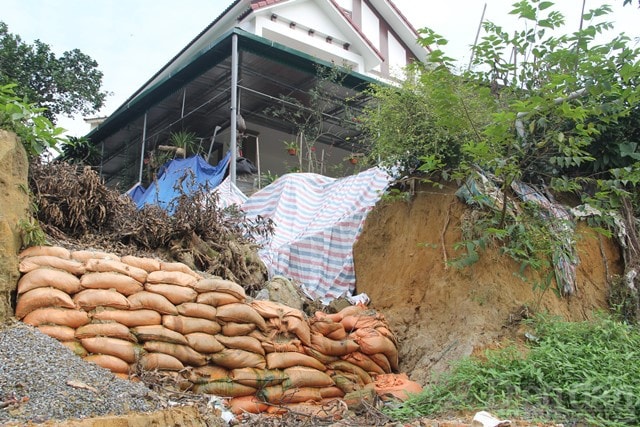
570, 373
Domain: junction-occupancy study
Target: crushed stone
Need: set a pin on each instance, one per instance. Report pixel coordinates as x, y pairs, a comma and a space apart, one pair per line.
41, 380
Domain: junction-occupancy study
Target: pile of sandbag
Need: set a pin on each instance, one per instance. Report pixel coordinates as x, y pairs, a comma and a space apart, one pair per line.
127, 313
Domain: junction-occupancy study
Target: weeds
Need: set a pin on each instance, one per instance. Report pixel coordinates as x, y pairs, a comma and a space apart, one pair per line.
572, 373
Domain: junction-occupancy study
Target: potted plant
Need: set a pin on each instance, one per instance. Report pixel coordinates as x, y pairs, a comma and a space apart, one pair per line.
353, 159
291, 147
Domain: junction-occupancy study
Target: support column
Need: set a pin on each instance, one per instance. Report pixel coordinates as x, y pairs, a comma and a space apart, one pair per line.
144, 140
234, 107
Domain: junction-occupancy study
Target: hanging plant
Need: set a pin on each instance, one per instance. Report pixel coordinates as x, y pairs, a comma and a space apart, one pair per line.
291, 147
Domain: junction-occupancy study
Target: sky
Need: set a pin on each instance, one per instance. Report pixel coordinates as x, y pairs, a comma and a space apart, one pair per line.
132, 39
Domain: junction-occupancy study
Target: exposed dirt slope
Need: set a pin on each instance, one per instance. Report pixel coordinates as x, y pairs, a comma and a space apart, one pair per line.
440, 313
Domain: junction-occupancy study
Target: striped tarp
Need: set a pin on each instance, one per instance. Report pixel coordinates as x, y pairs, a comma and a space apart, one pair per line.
317, 220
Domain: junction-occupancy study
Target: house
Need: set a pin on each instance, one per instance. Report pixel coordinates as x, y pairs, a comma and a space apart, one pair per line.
262, 73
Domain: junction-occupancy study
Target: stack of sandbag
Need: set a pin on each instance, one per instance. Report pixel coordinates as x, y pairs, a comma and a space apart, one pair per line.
127, 313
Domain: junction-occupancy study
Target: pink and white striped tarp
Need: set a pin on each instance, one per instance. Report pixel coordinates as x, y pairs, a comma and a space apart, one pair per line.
317, 221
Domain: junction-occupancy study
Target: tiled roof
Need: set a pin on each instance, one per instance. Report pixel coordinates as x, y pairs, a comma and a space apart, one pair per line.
258, 4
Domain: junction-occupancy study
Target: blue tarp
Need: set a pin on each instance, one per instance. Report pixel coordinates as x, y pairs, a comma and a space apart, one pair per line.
188, 174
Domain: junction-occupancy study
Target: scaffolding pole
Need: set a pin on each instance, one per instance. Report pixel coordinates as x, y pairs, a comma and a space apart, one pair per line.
234, 107
144, 140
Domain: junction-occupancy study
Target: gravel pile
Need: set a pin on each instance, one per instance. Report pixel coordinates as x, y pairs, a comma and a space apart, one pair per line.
40, 380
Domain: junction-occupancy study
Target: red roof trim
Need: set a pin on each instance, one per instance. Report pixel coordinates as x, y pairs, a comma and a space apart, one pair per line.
259, 4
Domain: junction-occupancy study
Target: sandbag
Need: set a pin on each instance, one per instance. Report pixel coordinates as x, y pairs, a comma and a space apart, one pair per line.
234, 329
151, 301
233, 359
241, 343
221, 285
258, 378
111, 363
216, 299
241, 313
89, 299
178, 266
194, 309
208, 373
325, 359
363, 361
247, 405
55, 251
147, 264
75, 347
177, 278
61, 333
124, 284
158, 333
186, 325
331, 392
41, 298
86, 255
277, 394
344, 366
160, 361
183, 353
114, 266
130, 318
30, 263
174, 293
328, 328
363, 319
122, 349
396, 385
382, 361
276, 346
57, 316
372, 342
224, 389
347, 382
332, 347
302, 376
298, 327
271, 309
289, 359
111, 329
49, 277
203, 343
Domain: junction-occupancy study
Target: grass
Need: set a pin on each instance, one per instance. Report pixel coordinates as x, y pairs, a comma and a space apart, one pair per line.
586, 372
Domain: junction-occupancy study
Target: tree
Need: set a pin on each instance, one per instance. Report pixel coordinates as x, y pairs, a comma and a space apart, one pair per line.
65, 85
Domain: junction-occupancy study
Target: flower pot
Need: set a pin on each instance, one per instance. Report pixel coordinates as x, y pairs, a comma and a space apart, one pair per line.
292, 151
353, 160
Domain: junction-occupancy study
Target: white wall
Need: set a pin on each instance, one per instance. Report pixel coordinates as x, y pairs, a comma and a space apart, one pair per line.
397, 57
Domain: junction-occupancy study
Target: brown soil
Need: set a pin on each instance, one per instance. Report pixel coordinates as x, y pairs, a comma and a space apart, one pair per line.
441, 313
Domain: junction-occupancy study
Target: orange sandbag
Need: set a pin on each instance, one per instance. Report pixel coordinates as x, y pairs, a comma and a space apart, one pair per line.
124, 284
216, 284
271, 309
57, 316
194, 309
216, 299
362, 360
302, 376
247, 404
158, 333
231, 358
86, 255
326, 409
234, 329
344, 366
241, 343
75, 347
177, 278
89, 299
186, 325
372, 342
178, 266
125, 350
241, 313
111, 363
382, 361
41, 298
49, 277
328, 328
298, 327
331, 392
160, 361
224, 389
130, 318
55, 251
320, 356
151, 301
114, 266
332, 347
289, 359
147, 264
61, 333
203, 343
208, 373
364, 319
111, 329
346, 381
277, 394
276, 346
398, 386
258, 378
183, 353
30, 263
174, 293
